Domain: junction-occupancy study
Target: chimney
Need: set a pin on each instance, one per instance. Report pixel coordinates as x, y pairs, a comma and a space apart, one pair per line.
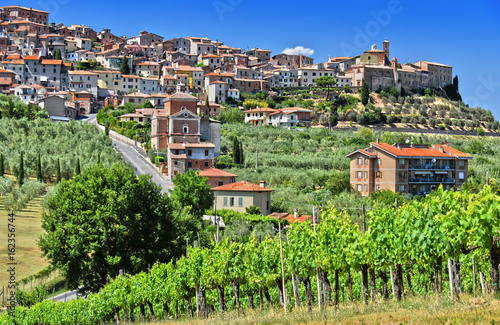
378, 141
263, 184
295, 212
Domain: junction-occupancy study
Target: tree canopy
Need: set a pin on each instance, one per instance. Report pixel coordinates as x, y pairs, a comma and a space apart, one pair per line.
105, 220
326, 82
124, 68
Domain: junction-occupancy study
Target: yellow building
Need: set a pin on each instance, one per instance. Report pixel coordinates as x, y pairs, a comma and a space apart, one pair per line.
109, 80
240, 195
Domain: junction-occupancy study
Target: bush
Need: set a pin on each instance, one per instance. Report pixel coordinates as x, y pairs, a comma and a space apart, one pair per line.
442, 127
480, 131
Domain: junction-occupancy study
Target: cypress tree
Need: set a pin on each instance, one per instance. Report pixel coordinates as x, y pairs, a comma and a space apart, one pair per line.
242, 157
1, 165
124, 68
236, 151
77, 167
106, 130
58, 171
365, 93
39, 169
98, 158
20, 177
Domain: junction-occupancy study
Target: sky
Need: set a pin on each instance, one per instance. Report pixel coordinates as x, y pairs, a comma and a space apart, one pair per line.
460, 33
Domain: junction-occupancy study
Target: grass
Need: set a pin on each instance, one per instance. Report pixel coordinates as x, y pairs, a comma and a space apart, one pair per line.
28, 256
418, 310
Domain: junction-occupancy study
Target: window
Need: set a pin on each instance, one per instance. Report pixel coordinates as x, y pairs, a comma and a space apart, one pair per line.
240, 201
189, 152
231, 201
378, 187
190, 164
220, 183
401, 188
379, 161
378, 174
402, 174
461, 163
366, 174
401, 161
461, 175
206, 153
185, 129
366, 161
365, 187
359, 174
206, 164
360, 161
360, 187
225, 201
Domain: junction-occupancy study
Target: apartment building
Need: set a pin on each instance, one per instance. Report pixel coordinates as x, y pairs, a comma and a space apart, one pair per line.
416, 169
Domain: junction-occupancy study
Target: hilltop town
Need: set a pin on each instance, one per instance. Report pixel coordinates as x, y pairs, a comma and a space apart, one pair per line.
92, 69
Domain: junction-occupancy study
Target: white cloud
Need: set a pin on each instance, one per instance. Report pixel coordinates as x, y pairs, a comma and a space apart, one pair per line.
299, 50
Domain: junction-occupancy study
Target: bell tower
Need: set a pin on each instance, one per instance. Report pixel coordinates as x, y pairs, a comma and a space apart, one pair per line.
386, 49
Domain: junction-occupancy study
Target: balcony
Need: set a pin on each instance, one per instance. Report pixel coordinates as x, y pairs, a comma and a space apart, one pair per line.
431, 166
432, 180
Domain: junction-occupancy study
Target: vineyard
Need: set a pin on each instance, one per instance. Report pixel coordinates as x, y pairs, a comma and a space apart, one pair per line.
444, 244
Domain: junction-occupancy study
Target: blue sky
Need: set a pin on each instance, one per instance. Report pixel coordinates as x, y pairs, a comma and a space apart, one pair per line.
460, 33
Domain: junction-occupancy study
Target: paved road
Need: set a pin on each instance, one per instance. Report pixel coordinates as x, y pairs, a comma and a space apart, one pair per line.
63, 297
141, 164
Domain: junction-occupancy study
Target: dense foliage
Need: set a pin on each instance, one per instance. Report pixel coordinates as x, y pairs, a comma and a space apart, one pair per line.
412, 243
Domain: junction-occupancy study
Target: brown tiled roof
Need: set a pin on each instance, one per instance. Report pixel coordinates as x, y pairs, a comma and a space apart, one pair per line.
214, 172
261, 110
242, 186
83, 72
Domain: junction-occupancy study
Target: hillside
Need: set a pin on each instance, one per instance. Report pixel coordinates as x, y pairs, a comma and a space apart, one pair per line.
308, 167
389, 109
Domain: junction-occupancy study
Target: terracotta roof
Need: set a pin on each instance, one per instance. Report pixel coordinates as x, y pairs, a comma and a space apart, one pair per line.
452, 151
182, 156
6, 71
182, 146
83, 72
31, 57
404, 151
181, 96
55, 62
13, 62
129, 76
211, 56
291, 218
214, 172
261, 110
218, 82
242, 186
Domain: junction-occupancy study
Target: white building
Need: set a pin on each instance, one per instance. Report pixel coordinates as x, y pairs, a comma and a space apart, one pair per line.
83, 80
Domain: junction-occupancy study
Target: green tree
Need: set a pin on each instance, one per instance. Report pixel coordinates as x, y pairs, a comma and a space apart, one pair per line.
231, 115
124, 68
366, 133
192, 191
20, 177
242, 156
2, 169
217, 99
365, 93
58, 178
57, 54
147, 104
236, 151
480, 132
253, 210
106, 220
39, 176
338, 183
326, 82
77, 167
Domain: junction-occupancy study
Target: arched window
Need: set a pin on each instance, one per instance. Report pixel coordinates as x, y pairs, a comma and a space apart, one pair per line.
185, 128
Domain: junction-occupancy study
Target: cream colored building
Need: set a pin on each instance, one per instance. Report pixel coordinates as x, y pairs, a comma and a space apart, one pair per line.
240, 195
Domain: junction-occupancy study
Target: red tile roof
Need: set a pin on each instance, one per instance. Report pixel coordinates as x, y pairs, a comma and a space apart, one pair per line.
452, 151
291, 218
262, 110
242, 186
55, 62
31, 57
433, 151
214, 172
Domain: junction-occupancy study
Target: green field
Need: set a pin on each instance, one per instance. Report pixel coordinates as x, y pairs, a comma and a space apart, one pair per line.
28, 256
